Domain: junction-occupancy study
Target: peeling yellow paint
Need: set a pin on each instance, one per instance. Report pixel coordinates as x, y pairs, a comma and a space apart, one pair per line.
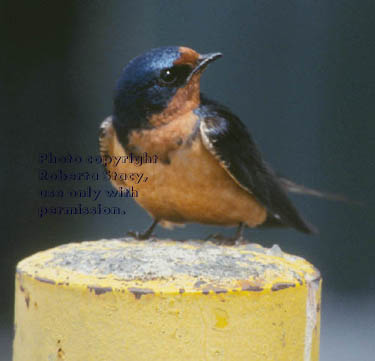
75, 312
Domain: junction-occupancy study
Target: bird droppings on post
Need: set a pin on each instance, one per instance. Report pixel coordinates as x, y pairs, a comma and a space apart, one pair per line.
126, 259
192, 297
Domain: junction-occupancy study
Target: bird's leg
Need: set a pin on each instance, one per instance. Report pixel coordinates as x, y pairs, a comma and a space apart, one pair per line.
238, 236
146, 234
228, 240
239, 232
214, 236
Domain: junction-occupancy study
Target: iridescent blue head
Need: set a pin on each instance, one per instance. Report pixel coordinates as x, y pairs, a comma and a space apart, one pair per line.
150, 82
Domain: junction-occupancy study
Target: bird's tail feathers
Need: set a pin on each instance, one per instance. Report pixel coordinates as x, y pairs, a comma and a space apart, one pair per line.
297, 188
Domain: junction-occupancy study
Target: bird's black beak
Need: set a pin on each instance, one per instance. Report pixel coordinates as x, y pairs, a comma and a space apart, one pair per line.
203, 61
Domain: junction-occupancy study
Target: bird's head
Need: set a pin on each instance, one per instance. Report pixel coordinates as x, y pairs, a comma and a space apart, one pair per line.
160, 83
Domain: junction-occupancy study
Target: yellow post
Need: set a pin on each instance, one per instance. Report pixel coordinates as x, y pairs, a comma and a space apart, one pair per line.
113, 300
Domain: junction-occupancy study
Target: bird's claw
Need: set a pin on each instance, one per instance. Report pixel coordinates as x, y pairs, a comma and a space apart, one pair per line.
213, 236
139, 236
219, 239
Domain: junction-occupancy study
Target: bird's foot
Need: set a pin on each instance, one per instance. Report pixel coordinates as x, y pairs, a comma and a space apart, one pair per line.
147, 234
237, 239
140, 236
219, 239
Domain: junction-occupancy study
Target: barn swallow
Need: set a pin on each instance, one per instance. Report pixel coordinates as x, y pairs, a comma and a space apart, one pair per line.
209, 169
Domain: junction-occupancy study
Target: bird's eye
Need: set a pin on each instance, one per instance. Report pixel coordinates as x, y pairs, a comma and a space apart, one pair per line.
174, 76
168, 76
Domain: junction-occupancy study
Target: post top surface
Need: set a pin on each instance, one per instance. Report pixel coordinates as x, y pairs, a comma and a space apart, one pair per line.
168, 266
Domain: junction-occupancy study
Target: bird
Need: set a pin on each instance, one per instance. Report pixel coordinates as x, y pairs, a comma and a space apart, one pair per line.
207, 168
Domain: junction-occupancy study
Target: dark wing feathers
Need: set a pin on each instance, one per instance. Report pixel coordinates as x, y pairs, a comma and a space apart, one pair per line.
227, 138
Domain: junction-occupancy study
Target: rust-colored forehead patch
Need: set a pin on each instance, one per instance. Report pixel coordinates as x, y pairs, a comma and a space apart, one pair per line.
187, 56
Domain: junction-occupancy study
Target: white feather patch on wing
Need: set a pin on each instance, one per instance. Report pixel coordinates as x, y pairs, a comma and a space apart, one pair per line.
105, 136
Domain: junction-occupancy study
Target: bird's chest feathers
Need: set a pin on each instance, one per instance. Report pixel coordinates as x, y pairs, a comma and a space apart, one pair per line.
164, 139
178, 148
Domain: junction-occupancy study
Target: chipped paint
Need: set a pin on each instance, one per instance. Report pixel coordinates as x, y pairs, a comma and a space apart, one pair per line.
252, 288
199, 300
218, 290
199, 283
139, 292
127, 261
60, 354
45, 280
282, 286
99, 290
313, 287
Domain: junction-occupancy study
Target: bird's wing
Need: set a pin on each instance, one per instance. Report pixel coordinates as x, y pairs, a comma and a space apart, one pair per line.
226, 137
108, 146
106, 134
